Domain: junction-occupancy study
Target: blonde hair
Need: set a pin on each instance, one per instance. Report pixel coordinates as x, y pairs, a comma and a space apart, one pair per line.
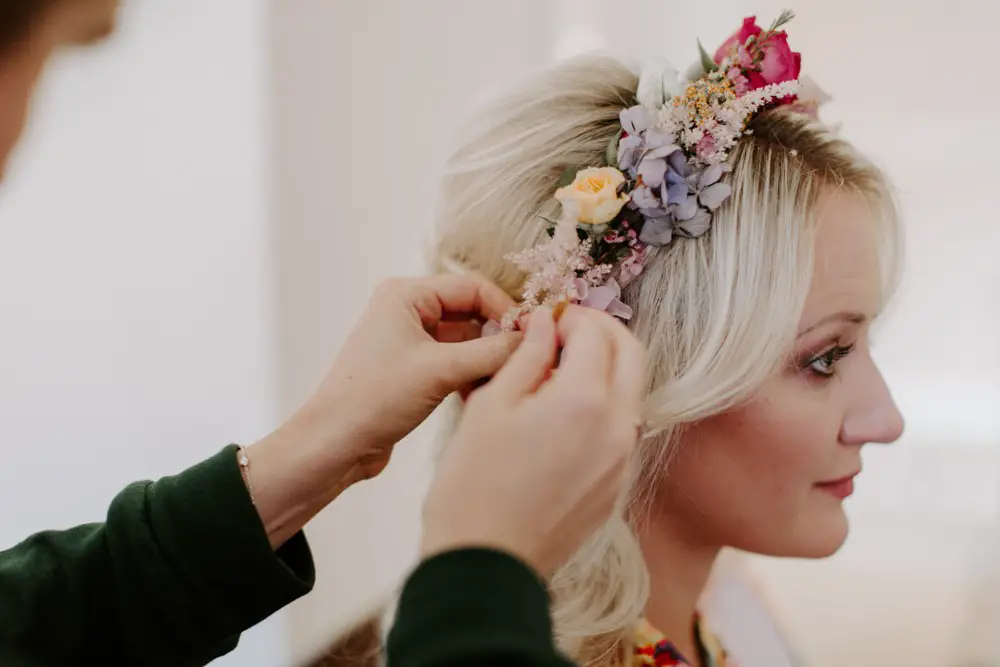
718, 313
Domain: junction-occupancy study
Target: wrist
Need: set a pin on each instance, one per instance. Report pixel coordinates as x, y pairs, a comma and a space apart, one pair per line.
316, 455
298, 470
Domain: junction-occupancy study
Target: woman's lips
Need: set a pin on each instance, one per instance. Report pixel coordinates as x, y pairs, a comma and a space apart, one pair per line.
839, 488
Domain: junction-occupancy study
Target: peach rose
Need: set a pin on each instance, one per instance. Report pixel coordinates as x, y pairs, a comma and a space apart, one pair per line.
594, 192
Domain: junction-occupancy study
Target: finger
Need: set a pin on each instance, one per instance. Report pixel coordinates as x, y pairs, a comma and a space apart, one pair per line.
587, 354
531, 363
629, 372
464, 363
437, 296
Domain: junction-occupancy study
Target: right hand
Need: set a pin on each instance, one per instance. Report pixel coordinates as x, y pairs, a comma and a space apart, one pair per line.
538, 462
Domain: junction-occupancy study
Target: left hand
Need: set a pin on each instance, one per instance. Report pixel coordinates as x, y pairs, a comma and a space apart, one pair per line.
539, 461
418, 342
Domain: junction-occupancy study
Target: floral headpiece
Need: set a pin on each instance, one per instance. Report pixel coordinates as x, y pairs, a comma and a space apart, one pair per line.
665, 173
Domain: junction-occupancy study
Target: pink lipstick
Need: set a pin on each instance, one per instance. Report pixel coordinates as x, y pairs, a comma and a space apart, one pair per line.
839, 488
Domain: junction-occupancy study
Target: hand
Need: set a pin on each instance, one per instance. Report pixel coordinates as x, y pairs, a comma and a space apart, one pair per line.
540, 459
418, 342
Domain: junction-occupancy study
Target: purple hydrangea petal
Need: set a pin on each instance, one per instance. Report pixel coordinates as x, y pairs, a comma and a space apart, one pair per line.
697, 225
645, 199
619, 309
629, 272
657, 231
615, 287
606, 298
685, 210
599, 298
662, 152
713, 196
655, 140
629, 152
652, 171
635, 119
675, 188
678, 162
711, 175
674, 178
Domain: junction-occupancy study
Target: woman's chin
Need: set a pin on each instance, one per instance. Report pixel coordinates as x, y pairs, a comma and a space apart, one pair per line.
826, 536
820, 537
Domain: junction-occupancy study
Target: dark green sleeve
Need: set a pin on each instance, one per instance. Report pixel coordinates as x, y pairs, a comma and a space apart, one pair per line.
473, 607
179, 569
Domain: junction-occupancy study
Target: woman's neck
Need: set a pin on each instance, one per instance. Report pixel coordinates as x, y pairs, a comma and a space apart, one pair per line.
679, 569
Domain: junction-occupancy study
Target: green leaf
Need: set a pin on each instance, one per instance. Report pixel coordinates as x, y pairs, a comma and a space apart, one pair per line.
611, 153
567, 177
706, 60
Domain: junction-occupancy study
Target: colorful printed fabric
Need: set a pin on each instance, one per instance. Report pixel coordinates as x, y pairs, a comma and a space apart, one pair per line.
652, 649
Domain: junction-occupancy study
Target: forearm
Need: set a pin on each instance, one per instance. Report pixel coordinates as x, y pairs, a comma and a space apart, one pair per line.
181, 567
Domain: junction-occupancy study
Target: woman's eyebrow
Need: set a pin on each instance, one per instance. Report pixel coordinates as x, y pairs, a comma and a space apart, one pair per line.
844, 316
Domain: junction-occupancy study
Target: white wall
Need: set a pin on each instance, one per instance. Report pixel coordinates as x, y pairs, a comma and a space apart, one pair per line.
135, 269
367, 95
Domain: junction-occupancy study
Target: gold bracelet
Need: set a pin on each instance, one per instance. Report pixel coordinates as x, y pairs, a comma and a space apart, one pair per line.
244, 461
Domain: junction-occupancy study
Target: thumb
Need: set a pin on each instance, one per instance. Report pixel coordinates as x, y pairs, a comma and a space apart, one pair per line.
530, 364
469, 361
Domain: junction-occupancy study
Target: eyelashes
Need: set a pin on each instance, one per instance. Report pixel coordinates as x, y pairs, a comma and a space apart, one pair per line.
824, 365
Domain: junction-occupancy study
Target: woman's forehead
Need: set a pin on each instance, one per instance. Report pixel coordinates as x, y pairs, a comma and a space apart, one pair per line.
846, 272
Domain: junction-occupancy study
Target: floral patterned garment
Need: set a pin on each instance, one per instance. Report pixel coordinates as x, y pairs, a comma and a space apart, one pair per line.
652, 649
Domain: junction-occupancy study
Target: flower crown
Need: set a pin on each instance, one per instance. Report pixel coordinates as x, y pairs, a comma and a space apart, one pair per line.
666, 171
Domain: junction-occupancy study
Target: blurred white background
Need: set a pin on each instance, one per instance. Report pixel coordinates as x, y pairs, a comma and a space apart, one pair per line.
204, 203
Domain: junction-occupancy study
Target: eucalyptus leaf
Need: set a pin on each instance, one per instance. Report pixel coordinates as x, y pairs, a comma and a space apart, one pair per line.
611, 153
706, 60
782, 19
595, 230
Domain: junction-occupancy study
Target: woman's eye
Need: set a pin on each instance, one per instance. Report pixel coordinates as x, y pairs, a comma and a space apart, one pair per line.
824, 364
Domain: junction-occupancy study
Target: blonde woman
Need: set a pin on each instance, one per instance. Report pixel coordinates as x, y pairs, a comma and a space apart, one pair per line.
185, 564
761, 265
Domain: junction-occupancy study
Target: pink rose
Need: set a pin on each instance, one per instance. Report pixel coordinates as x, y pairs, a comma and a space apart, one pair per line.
780, 63
771, 59
739, 38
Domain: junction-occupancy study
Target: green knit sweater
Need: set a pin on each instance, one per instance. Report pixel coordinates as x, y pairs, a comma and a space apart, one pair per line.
182, 566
